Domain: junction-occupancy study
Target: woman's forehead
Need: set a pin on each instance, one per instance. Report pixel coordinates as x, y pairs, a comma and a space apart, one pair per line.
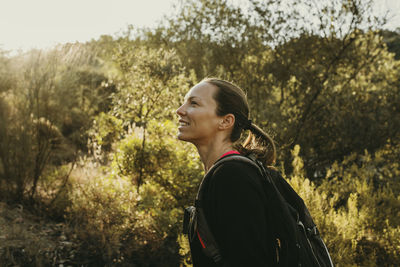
201, 90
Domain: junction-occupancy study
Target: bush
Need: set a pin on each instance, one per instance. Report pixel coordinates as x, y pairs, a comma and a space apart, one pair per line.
357, 207
118, 221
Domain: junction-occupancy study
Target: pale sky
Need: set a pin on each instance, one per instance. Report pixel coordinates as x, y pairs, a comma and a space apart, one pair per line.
44, 23
26, 24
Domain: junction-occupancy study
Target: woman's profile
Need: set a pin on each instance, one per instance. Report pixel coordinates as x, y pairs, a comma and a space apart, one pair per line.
245, 213
213, 116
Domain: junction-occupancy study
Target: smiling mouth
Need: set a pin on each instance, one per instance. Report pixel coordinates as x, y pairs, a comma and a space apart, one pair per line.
183, 123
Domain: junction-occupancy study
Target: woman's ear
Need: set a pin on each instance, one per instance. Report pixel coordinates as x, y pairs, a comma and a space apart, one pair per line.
228, 121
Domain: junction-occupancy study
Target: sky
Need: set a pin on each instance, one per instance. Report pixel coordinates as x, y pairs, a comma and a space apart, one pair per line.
26, 24
44, 23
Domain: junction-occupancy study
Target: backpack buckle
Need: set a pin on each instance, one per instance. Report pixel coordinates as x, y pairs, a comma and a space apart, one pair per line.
312, 231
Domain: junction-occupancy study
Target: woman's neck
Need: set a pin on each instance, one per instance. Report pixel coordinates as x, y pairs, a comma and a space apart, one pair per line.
210, 153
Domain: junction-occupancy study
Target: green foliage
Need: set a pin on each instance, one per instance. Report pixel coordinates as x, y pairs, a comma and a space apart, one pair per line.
46, 106
136, 224
392, 40
316, 78
102, 210
106, 130
327, 80
163, 161
149, 83
7, 78
357, 207
28, 140
333, 106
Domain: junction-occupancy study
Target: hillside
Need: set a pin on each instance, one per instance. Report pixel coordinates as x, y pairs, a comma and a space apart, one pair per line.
29, 239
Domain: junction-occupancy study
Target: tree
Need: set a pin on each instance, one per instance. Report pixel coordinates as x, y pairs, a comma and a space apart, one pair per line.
392, 40
149, 86
333, 105
46, 94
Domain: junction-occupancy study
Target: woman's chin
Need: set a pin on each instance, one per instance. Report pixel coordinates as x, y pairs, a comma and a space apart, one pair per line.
182, 137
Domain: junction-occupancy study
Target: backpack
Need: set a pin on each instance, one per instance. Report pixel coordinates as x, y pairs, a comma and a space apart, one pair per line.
296, 237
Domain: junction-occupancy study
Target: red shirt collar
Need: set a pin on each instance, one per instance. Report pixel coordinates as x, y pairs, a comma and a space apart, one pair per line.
230, 153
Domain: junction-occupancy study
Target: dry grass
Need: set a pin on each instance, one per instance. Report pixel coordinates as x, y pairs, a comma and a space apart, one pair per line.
28, 240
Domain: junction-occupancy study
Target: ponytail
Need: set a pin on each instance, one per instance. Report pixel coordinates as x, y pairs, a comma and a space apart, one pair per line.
260, 144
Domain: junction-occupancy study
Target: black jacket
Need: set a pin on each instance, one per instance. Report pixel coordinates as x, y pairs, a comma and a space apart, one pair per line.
234, 206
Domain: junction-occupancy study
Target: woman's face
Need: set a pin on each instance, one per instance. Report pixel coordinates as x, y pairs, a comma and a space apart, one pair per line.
198, 121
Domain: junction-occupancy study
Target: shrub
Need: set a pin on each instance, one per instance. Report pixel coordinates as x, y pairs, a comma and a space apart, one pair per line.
118, 221
356, 207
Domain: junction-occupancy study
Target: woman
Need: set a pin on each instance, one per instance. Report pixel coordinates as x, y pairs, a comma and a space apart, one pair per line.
212, 117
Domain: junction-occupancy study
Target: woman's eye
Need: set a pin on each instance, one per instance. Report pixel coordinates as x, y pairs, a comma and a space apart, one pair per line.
193, 103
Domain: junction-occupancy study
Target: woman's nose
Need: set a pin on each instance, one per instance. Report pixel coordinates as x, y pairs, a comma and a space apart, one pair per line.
181, 110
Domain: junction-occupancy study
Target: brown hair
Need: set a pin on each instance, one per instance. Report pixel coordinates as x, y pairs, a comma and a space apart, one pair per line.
232, 100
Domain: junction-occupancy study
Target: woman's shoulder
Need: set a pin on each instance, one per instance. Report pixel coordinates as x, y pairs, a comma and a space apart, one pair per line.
235, 163
238, 179
236, 171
